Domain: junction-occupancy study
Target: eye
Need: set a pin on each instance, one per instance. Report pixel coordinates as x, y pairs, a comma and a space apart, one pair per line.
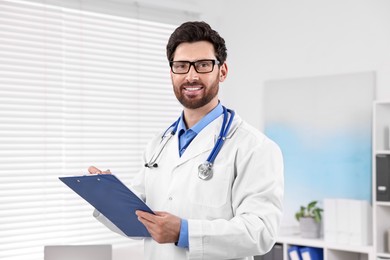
203, 64
180, 65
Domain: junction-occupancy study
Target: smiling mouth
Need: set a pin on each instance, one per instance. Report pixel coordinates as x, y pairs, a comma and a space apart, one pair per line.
193, 88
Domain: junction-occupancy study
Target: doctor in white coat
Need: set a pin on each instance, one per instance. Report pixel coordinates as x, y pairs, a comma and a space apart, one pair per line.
230, 212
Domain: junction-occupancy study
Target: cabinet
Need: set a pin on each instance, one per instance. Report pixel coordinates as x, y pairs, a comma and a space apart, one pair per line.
381, 149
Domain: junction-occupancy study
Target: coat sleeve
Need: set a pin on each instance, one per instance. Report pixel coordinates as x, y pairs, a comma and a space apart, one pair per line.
257, 195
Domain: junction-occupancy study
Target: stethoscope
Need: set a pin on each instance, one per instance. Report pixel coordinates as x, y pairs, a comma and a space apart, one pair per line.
205, 169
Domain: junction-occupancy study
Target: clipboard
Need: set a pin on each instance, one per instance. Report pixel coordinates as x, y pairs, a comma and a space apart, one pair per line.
107, 194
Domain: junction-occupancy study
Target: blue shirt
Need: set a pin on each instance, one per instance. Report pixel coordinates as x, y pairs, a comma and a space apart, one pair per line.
185, 138
187, 135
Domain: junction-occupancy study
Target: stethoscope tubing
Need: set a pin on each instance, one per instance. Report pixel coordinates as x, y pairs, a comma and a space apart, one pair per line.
214, 152
222, 135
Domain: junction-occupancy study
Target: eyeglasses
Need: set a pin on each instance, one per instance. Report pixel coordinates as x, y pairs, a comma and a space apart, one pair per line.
201, 66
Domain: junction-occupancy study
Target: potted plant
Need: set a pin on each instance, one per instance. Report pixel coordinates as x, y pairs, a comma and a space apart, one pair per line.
309, 218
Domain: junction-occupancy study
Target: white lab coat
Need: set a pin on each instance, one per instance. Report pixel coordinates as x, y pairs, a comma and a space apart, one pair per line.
235, 214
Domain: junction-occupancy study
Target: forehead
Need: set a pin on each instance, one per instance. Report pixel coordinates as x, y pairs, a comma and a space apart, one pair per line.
194, 51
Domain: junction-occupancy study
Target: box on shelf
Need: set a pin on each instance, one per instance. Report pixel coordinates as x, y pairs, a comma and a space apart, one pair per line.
347, 221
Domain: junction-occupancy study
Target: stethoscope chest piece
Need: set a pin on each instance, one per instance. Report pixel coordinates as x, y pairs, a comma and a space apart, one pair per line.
205, 171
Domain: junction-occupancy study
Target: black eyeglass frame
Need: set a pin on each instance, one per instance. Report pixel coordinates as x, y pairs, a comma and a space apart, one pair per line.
192, 63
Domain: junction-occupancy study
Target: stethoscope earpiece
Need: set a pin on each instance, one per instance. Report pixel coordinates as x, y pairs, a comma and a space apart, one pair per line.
151, 165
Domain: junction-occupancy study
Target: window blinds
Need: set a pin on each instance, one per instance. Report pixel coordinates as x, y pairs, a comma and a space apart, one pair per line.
77, 88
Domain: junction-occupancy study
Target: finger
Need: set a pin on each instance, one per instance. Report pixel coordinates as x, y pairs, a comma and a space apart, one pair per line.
94, 170
160, 213
146, 215
146, 223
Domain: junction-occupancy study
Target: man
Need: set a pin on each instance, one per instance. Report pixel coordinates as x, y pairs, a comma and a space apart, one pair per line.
231, 211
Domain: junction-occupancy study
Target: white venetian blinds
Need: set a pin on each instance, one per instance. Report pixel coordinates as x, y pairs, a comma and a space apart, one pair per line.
77, 88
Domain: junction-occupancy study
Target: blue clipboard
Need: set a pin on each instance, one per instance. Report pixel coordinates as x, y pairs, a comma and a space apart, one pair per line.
107, 194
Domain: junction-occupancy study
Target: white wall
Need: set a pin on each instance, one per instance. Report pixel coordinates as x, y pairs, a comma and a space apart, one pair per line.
270, 39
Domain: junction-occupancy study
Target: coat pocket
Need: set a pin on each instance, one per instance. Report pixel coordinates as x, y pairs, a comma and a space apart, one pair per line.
215, 192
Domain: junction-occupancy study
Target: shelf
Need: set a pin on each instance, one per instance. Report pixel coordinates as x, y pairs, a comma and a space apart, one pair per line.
296, 240
383, 203
321, 243
350, 248
382, 102
383, 255
381, 146
382, 152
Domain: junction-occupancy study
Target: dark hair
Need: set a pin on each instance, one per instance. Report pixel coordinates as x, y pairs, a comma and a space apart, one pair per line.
194, 32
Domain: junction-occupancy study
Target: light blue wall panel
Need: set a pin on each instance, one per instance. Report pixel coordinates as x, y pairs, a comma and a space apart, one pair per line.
323, 126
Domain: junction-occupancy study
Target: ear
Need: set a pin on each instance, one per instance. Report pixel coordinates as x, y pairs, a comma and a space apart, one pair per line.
223, 71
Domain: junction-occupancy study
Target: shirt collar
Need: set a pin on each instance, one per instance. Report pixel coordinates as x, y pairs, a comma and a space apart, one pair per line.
207, 119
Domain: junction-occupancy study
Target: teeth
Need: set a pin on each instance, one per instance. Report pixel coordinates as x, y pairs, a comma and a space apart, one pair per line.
192, 89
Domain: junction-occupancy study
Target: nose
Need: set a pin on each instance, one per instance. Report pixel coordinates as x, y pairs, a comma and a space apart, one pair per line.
192, 75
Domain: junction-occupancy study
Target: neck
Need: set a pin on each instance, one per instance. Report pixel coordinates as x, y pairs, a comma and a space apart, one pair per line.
193, 116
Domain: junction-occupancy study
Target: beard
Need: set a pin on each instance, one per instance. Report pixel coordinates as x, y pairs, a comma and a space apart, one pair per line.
209, 93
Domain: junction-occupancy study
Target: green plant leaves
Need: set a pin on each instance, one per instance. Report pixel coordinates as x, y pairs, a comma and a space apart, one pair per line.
311, 211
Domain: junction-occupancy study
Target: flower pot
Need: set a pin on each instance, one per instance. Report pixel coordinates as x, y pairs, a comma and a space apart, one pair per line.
309, 228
